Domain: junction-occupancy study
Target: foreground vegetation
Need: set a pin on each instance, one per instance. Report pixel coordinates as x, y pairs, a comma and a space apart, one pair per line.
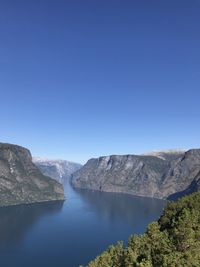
173, 241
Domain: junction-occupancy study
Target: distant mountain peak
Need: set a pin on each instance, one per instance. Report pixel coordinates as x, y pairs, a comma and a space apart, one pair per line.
48, 160
164, 154
57, 169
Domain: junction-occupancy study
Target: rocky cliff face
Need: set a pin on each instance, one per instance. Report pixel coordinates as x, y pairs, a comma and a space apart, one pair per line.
21, 181
60, 170
138, 175
164, 175
183, 176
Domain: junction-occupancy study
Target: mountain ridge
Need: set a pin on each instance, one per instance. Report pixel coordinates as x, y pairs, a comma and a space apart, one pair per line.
141, 175
21, 182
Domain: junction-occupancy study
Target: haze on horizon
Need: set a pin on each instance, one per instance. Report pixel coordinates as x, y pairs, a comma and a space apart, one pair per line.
81, 79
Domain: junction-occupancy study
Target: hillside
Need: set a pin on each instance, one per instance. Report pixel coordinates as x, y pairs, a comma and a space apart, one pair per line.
160, 175
21, 181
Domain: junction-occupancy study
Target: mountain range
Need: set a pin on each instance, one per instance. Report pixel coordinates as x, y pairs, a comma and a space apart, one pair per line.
164, 174
60, 170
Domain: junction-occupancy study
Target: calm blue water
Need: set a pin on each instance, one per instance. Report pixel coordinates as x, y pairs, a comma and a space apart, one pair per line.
71, 233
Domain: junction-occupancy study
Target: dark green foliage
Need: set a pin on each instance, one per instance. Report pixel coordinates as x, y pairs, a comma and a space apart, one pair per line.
173, 241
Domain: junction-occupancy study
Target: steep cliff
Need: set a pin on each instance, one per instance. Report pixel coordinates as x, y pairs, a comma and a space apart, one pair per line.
21, 181
138, 175
183, 176
160, 175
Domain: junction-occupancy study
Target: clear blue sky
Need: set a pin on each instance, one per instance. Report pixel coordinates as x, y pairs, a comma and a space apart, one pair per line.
84, 78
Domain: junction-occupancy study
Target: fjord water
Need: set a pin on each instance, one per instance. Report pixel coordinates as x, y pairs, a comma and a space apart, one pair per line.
71, 233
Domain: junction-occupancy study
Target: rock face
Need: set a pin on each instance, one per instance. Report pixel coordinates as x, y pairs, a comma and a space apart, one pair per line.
183, 177
164, 175
21, 181
60, 170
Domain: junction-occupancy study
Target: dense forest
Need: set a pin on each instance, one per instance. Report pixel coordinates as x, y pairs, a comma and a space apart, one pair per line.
172, 241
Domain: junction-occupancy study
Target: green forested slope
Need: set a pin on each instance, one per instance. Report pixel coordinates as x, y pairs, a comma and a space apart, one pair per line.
173, 241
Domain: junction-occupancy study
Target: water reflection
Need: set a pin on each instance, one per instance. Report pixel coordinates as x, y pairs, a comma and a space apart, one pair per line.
126, 208
15, 221
50, 234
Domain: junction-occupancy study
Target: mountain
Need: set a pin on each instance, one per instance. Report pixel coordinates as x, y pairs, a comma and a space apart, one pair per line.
21, 181
138, 175
165, 174
183, 176
168, 155
59, 170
